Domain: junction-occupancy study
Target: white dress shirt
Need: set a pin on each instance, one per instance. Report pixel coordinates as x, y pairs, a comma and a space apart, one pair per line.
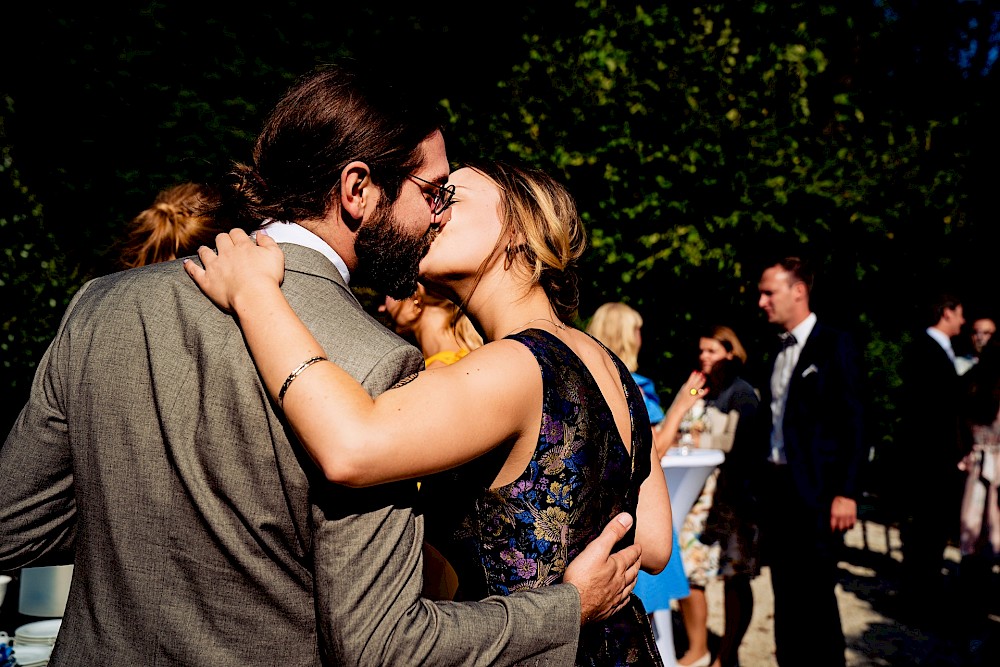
784, 365
291, 232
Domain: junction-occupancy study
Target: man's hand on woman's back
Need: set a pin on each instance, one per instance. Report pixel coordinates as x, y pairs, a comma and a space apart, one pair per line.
605, 580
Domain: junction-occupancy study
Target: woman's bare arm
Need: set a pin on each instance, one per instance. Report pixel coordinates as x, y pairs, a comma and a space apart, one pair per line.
653, 530
355, 440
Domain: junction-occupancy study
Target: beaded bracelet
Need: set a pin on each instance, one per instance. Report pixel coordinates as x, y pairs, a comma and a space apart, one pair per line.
294, 374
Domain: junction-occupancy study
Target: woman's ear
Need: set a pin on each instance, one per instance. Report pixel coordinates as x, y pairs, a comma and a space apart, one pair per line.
356, 189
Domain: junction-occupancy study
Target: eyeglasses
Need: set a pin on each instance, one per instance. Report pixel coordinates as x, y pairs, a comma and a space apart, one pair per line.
444, 195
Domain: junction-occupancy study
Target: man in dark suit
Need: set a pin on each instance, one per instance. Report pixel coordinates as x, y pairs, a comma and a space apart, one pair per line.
150, 456
929, 449
815, 452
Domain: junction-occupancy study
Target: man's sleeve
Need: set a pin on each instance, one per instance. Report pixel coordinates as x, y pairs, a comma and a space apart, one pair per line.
37, 503
369, 576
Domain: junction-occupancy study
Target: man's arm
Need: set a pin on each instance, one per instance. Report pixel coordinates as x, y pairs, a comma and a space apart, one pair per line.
389, 623
853, 452
37, 503
368, 567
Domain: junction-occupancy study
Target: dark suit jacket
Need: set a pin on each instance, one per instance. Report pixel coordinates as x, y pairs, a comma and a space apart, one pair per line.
823, 422
151, 457
932, 399
931, 438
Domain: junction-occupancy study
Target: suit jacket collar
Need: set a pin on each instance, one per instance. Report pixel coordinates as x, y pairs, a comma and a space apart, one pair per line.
301, 259
292, 232
803, 333
805, 328
809, 351
942, 340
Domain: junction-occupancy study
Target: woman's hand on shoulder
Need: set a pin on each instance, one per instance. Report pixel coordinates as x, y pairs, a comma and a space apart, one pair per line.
239, 265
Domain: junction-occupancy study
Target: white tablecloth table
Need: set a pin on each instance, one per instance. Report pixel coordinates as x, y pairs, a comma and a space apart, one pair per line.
686, 472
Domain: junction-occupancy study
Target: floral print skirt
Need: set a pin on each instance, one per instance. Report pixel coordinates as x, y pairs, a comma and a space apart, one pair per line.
701, 561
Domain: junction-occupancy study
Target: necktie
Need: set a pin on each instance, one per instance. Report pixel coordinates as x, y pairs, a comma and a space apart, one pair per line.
787, 339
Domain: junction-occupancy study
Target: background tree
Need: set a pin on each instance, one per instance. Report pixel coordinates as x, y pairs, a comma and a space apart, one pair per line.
705, 140
699, 138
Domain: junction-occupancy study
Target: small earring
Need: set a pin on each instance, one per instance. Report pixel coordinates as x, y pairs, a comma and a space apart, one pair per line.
509, 259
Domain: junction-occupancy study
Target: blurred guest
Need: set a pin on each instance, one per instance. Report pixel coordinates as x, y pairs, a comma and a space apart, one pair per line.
174, 225
811, 482
982, 333
983, 329
980, 516
931, 446
619, 327
720, 533
442, 332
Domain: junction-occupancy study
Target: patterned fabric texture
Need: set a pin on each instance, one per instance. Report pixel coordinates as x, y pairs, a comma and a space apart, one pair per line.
522, 535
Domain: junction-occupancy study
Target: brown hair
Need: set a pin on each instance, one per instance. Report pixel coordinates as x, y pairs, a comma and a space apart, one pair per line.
729, 340
331, 117
175, 225
466, 334
799, 271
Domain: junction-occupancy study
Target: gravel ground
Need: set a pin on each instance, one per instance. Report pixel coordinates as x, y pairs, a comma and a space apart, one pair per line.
875, 634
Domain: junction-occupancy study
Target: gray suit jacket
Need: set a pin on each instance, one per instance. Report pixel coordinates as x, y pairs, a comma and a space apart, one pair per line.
150, 456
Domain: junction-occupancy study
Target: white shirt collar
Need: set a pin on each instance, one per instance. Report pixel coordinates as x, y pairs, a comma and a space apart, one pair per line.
803, 330
291, 232
942, 339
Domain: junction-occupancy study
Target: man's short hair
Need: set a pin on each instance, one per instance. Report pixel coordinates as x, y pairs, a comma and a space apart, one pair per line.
938, 303
339, 113
799, 270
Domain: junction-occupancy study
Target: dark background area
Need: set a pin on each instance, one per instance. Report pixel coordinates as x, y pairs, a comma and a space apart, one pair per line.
103, 106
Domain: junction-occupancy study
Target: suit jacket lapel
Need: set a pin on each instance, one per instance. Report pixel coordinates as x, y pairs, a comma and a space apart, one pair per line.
806, 357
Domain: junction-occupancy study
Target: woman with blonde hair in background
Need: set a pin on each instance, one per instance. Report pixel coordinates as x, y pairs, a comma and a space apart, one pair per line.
619, 327
549, 421
718, 409
174, 225
442, 332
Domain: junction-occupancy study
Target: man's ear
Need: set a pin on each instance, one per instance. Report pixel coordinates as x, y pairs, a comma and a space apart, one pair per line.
800, 290
356, 189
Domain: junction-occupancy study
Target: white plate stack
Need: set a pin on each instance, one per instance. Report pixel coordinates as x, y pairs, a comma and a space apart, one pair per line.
33, 642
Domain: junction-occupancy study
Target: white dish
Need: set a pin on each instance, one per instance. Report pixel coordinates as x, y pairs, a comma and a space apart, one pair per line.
31, 655
39, 630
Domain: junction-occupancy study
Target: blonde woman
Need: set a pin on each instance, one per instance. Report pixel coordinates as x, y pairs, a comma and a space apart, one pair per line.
442, 332
553, 418
619, 327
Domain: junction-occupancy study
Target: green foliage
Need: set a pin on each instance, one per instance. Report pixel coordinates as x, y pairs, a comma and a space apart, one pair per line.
700, 139
35, 281
704, 140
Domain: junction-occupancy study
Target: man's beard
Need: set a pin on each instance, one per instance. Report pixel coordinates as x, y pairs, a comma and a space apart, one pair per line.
388, 257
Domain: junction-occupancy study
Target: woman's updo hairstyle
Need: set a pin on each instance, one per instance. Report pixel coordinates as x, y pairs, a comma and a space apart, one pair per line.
175, 225
541, 230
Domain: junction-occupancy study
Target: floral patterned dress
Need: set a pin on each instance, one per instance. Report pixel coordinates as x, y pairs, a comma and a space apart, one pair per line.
522, 535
